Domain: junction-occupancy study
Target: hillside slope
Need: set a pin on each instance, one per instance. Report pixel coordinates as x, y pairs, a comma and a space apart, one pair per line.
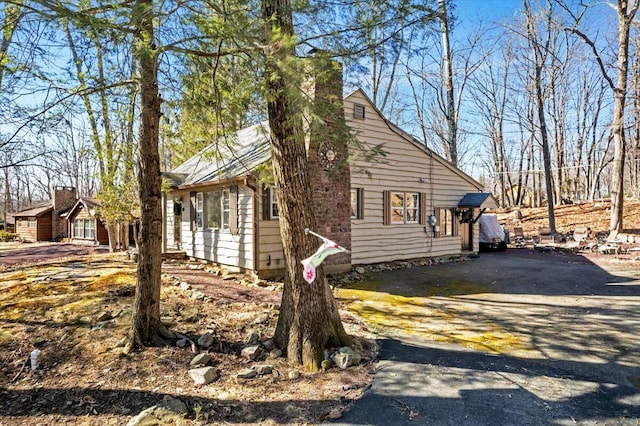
594, 215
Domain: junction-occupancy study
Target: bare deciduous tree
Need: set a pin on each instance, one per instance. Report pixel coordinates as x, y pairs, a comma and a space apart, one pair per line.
626, 11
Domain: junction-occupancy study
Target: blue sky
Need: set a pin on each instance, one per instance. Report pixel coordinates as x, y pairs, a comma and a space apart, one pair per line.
487, 10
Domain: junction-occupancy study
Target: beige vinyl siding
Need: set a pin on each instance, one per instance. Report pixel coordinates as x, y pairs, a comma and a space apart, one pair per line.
271, 251
220, 245
406, 168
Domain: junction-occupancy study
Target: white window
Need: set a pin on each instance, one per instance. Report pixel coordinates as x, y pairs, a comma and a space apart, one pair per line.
89, 229
216, 209
78, 228
273, 204
405, 207
226, 210
32, 222
199, 209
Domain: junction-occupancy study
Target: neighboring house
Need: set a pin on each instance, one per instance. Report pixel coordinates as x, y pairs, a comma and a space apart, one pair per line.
10, 226
405, 205
44, 221
85, 225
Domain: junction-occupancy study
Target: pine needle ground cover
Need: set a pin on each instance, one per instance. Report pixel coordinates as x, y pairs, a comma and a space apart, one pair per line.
77, 309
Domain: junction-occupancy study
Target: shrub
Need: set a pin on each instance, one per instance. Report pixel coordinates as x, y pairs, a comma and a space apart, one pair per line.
8, 236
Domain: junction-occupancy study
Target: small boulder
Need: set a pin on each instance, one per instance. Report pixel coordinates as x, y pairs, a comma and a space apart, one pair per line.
294, 374
204, 375
185, 286
200, 359
252, 352
253, 338
168, 411
360, 270
197, 295
346, 357
247, 373
263, 369
206, 340
181, 343
268, 345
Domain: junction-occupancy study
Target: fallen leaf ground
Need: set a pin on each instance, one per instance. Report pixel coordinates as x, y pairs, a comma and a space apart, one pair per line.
76, 310
594, 215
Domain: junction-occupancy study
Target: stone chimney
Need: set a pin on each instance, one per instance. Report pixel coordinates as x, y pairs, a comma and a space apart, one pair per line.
63, 198
327, 141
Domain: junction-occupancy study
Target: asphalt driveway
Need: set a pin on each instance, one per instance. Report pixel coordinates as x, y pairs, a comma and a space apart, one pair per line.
503, 339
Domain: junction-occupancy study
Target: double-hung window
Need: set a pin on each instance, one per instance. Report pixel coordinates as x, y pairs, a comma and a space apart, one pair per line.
89, 229
405, 207
78, 228
273, 204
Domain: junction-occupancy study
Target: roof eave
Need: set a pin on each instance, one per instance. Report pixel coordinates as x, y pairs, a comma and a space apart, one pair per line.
246, 180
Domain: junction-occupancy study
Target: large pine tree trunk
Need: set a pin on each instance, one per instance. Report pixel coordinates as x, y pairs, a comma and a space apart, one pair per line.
145, 324
308, 316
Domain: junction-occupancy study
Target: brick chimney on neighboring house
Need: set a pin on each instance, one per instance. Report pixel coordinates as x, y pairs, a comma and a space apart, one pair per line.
328, 152
63, 198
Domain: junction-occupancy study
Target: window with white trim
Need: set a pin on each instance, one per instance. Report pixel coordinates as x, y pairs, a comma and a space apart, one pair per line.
216, 209
273, 204
89, 229
199, 210
32, 222
405, 207
78, 228
226, 209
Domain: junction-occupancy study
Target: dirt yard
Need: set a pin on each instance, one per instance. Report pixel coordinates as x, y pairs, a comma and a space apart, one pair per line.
76, 309
592, 215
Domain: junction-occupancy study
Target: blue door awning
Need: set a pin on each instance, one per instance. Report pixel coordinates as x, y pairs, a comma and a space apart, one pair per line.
477, 200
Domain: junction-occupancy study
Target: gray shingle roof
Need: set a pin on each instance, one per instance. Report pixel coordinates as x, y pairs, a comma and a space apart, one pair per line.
35, 210
232, 156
